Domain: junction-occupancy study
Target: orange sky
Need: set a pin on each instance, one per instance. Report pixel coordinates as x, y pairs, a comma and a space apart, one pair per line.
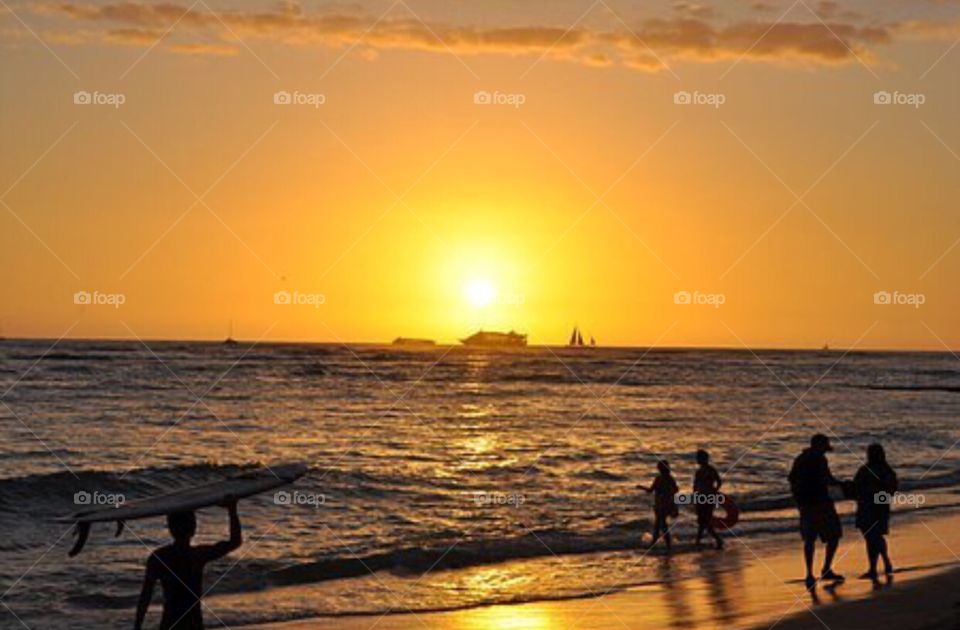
402, 203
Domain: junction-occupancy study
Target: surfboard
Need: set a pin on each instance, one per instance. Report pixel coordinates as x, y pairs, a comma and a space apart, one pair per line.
185, 500
731, 514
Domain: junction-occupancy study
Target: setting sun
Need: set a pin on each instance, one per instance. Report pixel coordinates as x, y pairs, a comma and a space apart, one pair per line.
479, 292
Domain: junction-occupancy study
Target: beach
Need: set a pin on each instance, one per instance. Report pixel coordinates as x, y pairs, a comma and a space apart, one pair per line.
746, 586
395, 315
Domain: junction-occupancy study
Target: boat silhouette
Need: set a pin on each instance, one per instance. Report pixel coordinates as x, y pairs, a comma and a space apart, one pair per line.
576, 339
493, 339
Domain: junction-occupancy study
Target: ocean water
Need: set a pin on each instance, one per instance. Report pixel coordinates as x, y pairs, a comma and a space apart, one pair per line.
440, 479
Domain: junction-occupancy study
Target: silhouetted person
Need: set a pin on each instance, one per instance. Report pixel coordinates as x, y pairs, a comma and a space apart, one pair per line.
706, 489
875, 485
810, 481
179, 567
664, 489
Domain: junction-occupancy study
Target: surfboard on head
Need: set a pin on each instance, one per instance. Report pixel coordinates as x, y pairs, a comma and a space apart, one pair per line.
186, 499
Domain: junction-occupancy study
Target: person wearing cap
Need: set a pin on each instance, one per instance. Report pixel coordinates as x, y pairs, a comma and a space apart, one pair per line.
810, 480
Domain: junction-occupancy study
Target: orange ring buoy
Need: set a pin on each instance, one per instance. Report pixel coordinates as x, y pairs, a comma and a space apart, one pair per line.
731, 514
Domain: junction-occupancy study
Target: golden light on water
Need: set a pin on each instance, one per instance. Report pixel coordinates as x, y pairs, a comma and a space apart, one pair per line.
513, 618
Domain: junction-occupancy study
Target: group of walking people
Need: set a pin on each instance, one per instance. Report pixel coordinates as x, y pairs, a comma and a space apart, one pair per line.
810, 482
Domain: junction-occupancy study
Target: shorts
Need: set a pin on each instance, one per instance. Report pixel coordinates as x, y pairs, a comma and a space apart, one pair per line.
820, 521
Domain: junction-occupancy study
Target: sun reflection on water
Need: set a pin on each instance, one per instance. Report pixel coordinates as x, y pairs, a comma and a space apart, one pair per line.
512, 618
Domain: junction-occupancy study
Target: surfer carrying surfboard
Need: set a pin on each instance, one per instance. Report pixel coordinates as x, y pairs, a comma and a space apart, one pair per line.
179, 568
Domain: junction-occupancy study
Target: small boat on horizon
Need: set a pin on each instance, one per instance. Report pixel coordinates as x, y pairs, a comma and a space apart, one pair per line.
230, 341
493, 339
413, 342
576, 339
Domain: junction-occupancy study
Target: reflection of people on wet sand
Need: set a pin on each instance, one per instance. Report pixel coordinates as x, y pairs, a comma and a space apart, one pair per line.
706, 487
875, 484
179, 567
664, 489
810, 481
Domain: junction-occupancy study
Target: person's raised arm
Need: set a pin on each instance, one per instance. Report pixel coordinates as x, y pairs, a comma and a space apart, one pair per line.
236, 533
146, 593
208, 553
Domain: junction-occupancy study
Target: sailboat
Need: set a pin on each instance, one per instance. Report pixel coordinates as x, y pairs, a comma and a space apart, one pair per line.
576, 339
230, 341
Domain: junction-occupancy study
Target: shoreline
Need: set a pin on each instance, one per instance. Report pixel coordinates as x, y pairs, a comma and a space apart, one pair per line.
755, 584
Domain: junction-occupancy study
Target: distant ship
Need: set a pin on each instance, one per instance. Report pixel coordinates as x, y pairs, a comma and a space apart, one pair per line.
415, 343
492, 339
576, 339
230, 341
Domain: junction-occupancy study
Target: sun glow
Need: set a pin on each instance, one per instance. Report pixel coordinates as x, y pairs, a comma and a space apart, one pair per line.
479, 292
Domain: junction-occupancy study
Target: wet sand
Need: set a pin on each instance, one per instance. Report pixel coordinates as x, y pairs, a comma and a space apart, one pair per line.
746, 586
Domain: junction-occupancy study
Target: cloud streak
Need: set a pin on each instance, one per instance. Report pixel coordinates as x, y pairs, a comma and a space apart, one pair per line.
693, 36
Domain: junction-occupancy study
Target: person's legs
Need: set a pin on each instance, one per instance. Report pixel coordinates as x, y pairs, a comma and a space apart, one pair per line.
716, 536
657, 526
700, 529
830, 552
829, 530
872, 554
809, 549
666, 533
882, 550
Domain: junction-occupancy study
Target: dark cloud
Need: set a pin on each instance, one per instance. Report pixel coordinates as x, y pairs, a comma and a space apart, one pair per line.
691, 36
